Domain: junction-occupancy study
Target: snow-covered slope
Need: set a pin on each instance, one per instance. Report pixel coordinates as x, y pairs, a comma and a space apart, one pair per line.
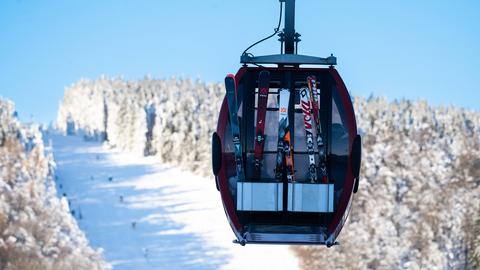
36, 228
150, 216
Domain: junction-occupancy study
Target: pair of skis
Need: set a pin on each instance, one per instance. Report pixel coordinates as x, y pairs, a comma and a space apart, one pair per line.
263, 88
310, 103
284, 145
231, 87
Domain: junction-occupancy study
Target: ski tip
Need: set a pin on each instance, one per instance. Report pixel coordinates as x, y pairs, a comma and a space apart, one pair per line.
230, 83
230, 78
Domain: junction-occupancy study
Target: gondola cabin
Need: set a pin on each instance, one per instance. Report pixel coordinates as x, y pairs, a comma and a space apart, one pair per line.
286, 153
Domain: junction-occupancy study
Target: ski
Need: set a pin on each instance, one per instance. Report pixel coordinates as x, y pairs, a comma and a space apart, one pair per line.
284, 147
305, 103
230, 86
289, 155
282, 125
315, 98
263, 88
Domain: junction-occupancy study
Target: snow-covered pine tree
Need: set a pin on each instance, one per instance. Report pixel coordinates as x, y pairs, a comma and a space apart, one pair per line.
473, 261
36, 228
185, 116
417, 188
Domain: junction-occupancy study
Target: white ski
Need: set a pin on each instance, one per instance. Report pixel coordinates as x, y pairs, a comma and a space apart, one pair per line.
305, 103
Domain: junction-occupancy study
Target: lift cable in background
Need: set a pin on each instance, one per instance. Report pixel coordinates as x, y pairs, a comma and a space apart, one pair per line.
276, 30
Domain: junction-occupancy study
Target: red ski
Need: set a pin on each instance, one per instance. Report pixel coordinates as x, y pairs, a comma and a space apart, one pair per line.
263, 88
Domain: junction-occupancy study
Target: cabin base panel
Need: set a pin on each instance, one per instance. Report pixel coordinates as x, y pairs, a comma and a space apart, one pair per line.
259, 196
316, 198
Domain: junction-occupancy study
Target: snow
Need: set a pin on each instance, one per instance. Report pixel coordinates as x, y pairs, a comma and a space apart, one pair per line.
151, 215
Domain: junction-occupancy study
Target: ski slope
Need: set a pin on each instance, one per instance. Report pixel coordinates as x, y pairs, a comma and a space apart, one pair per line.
146, 215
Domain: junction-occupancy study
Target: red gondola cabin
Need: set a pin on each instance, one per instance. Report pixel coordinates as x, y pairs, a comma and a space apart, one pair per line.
300, 194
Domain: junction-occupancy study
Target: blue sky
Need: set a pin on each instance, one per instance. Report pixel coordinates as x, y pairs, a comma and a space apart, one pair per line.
400, 49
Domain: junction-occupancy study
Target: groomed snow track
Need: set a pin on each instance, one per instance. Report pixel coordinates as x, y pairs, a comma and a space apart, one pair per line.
150, 216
